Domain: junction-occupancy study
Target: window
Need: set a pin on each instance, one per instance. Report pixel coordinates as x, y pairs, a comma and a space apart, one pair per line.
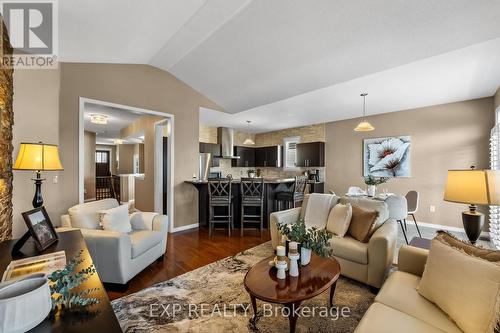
495, 165
101, 157
290, 151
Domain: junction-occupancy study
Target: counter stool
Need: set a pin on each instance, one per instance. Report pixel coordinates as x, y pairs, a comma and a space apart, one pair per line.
219, 195
252, 195
294, 195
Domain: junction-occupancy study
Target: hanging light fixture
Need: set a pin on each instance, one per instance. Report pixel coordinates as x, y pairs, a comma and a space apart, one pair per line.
364, 126
248, 140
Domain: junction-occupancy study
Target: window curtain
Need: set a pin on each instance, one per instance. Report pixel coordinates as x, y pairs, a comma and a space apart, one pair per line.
495, 165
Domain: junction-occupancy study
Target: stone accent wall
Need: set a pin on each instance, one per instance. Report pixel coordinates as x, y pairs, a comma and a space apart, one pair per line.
208, 134
311, 133
6, 122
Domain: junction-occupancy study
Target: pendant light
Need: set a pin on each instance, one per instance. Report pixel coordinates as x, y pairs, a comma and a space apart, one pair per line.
248, 141
364, 126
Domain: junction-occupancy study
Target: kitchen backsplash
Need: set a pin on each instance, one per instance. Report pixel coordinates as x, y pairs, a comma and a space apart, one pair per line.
226, 168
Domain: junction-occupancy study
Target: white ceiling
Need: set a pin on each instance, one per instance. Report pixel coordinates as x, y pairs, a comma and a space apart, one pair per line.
280, 57
117, 120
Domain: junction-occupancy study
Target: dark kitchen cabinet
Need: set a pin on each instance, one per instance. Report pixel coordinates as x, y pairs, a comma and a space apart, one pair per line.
247, 157
268, 156
311, 154
212, 148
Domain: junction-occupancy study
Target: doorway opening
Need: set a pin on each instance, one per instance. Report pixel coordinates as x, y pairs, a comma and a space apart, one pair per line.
126, 153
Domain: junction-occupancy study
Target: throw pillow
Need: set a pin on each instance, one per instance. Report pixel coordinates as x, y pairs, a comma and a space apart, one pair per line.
465, 287
339, 219
116, 219
362, 224
476, 251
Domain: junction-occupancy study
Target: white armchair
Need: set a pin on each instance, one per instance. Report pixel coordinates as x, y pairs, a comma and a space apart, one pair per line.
365, 262
118, 257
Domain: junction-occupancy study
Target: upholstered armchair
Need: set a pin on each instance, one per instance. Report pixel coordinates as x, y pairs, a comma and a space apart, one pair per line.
365, 262
118, 257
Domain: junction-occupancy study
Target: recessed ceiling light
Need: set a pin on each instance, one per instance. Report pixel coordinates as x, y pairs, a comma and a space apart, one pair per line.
98, 119
118, 141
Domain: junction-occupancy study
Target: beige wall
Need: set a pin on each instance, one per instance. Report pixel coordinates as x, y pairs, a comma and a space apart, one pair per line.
449, 136
144, 188
497, 98
112, 156
36, 118
140, 86
89, 165
125, 159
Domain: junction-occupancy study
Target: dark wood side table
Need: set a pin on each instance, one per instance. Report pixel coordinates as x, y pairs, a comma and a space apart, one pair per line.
423, 243
95, 318
261, 283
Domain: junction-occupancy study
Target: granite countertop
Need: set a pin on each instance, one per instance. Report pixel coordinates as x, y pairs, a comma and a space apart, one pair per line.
266, 180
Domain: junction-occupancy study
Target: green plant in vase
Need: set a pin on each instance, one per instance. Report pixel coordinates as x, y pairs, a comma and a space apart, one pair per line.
310, 239
372, 182
63, 281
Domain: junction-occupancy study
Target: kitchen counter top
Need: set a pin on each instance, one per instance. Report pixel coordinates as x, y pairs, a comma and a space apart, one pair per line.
266, 181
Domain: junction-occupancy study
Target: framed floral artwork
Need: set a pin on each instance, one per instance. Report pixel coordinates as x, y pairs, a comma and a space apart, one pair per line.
387, 157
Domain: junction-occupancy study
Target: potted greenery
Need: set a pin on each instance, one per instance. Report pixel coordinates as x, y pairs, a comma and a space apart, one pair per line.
372, 183
251, 173
310, 239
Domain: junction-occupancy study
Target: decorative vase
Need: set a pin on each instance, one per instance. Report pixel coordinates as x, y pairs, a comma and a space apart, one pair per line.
370, 190
251, 174
24, 304
305, 256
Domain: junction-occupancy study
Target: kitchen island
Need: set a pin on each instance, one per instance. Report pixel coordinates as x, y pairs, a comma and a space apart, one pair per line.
271, 187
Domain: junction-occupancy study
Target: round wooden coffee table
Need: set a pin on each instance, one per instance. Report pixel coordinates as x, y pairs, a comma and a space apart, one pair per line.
261, 283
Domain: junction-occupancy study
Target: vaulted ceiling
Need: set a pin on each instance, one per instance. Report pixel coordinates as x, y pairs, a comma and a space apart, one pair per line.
284, 63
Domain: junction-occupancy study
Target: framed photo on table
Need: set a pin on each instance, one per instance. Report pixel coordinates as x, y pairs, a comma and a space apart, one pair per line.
40, 227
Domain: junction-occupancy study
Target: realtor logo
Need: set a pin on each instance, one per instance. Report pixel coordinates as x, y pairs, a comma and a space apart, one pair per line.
32, 29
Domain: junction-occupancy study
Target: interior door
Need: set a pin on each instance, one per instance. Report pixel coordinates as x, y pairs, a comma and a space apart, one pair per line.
165, 174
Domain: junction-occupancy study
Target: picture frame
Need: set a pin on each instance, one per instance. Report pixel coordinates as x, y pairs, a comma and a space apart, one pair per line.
40, 227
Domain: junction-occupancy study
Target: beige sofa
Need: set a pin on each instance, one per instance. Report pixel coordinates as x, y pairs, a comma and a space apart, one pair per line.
399, 307
118, 257
365, 262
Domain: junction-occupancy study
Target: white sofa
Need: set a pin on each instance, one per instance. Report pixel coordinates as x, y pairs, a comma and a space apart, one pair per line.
365, 262
398, 305
118, 257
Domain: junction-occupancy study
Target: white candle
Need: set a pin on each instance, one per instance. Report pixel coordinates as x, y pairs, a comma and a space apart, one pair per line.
280, 250
293, 245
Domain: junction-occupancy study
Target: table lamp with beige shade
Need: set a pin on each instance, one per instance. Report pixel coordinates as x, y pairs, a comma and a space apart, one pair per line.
473, 187
38, 157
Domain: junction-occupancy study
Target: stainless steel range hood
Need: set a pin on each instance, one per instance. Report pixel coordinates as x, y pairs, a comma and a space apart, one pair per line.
225, 137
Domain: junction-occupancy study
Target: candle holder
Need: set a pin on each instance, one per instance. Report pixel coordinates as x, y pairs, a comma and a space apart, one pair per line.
294, 256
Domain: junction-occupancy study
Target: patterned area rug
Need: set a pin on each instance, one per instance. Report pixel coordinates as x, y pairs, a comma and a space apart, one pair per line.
213, 299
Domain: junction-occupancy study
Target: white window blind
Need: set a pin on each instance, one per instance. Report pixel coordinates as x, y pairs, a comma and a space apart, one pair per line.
495, 165
290, 147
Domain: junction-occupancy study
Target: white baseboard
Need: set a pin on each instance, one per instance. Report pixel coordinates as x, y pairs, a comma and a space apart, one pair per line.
444, 227
185, 227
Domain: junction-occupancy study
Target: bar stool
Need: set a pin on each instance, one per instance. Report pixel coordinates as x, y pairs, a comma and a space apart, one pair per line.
252, 195
294, 195
219, 195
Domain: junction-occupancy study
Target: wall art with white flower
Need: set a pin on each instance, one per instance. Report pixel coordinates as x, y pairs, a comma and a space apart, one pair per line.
387, 157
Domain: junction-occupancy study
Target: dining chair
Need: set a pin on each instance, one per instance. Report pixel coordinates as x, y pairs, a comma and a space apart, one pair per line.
398, 210
412, 200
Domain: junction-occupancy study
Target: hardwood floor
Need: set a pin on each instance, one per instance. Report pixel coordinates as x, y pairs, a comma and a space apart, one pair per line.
190, 249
